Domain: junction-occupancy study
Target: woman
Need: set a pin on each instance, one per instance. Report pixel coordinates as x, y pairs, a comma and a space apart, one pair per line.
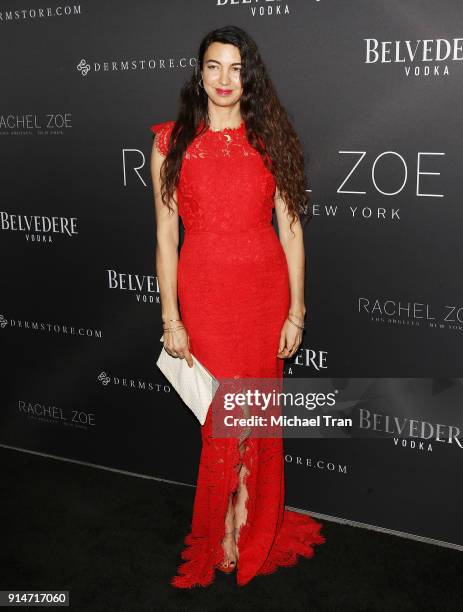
235, 296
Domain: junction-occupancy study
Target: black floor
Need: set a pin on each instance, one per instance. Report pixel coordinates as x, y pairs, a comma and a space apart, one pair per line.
114, 540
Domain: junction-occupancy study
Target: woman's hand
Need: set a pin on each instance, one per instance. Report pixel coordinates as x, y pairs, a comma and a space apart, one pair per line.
290, 340
177, 344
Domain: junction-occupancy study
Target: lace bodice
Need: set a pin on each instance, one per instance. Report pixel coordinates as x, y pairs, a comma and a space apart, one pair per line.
224, 185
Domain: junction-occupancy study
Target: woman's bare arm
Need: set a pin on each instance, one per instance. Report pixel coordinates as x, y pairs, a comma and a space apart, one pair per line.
167, 242
293, 246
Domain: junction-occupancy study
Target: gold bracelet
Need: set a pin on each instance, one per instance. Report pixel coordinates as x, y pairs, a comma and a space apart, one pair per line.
303, 323
172, 329
296, 316
295, 323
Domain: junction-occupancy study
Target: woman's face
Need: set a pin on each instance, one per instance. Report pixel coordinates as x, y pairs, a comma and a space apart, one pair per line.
222, 74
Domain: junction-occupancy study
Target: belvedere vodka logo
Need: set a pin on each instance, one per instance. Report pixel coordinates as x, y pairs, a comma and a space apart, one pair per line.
38, 228
419, 57
397, 311
144, 287
307, 358
258, 8
46, 124
85, 66
412, 433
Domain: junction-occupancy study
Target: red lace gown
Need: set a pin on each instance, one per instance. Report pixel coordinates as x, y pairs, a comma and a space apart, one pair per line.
233, 291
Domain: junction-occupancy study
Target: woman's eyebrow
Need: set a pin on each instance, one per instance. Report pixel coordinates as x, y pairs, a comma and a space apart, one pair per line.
217, 62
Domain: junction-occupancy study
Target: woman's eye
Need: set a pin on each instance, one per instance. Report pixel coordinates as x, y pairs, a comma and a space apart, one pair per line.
236, 68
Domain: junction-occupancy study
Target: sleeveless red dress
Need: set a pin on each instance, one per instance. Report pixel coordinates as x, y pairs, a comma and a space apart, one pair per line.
233, 291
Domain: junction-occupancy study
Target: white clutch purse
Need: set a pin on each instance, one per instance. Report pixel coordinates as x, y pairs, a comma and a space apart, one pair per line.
196, 386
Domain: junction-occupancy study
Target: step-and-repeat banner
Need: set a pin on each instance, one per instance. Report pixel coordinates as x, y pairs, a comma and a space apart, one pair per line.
374, 91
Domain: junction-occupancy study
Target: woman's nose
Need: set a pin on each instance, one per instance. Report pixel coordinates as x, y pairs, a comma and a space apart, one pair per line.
224, 79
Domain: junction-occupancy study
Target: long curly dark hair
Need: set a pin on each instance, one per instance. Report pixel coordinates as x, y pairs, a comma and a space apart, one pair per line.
268, 127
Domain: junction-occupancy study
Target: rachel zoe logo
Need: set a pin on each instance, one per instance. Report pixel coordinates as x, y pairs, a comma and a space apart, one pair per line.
78, 419
258, 7
37, 228
84, 67
416, 314
48, 124
389, 173
144, 287
420, 57
40, 13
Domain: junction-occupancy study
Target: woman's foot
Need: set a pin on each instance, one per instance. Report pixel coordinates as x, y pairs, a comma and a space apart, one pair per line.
230, 557
228, 543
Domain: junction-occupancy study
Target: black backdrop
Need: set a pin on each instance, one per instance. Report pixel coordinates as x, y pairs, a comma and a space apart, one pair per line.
374, 90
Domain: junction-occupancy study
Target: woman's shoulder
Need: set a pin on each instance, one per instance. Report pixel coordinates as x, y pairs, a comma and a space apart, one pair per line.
164, 125
162, 132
